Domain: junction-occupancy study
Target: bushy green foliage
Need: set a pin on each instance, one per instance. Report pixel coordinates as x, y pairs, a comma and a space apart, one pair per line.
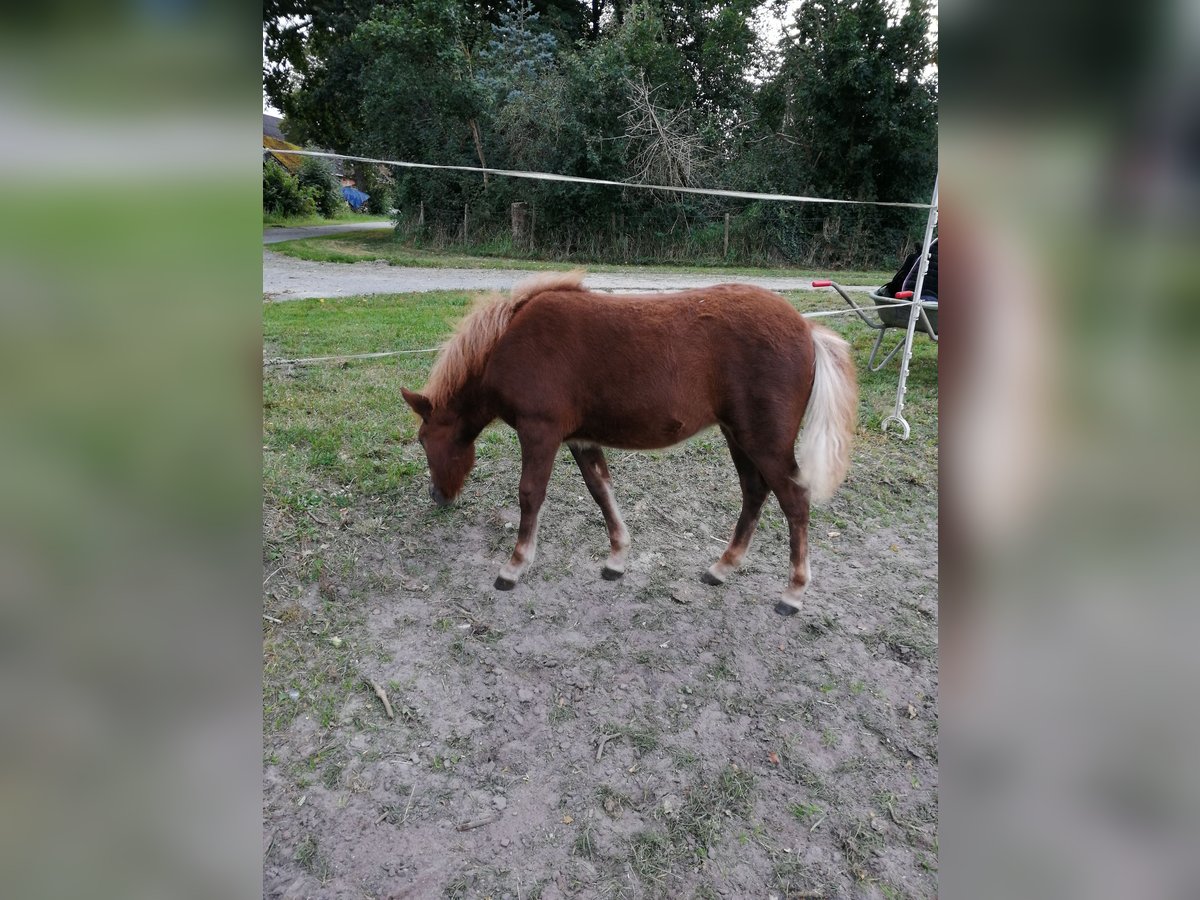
379, 185
845, 106
283, 196
856, 110
316, 175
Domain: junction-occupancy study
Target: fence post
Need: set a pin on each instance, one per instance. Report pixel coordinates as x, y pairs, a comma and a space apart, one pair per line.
727, 235
466, 206
520, 224
421, 216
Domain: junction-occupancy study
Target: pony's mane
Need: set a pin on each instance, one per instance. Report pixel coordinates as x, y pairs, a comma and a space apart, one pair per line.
467, 350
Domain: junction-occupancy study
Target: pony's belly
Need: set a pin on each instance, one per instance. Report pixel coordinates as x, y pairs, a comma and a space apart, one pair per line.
653, 435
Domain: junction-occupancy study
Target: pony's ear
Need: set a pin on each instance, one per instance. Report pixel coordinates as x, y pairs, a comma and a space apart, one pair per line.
419, 402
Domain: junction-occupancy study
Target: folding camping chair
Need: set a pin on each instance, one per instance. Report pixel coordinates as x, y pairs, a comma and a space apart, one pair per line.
893, 315
890, 315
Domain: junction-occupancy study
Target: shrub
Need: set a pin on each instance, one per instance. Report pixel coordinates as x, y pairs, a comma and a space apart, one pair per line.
283, 195
378, 183
317, 175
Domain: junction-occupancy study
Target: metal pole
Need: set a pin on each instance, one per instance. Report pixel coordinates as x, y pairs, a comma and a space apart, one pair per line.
913, 312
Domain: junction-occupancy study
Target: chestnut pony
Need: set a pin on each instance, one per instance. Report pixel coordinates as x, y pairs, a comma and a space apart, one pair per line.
563, 364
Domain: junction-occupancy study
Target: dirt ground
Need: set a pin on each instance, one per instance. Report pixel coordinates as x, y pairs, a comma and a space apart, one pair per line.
651, 737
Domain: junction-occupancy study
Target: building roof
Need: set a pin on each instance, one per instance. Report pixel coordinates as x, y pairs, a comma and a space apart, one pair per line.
274, 141
272, 146
271, 127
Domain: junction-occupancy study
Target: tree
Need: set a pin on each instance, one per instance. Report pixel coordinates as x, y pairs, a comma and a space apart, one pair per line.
517, 54
719, 46
852, 114
668, 149
304, 63
670, 91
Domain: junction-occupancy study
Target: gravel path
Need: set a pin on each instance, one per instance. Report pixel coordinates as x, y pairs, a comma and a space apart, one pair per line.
287, 278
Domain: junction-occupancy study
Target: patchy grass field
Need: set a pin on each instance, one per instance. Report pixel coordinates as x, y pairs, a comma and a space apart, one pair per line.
652, 737
381, 245
346, 218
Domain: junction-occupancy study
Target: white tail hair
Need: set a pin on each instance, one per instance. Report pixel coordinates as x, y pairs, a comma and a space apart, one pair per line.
824, 454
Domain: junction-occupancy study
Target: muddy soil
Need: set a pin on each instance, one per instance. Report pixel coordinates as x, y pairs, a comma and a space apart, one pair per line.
651, 737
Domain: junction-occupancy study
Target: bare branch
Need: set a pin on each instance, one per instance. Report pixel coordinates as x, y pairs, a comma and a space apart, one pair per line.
668, 150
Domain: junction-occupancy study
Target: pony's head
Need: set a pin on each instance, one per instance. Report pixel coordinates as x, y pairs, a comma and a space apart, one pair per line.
449, 447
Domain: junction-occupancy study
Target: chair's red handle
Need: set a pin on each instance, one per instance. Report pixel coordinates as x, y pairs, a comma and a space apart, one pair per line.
822, 283
904, 295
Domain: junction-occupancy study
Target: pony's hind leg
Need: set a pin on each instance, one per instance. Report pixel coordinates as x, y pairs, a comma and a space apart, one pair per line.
783, 477
537, 461
594, 469
754, 495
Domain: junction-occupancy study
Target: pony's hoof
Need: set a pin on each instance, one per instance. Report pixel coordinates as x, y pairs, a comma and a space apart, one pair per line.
610, 574
785, 609
710, 578
504, 584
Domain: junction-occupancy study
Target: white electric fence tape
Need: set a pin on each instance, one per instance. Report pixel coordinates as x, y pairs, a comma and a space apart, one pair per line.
576, 179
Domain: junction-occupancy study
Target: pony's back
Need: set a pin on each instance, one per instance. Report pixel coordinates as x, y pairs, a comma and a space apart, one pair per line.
650, 370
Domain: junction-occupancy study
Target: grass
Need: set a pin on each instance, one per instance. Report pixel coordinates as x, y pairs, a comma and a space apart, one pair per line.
697, 826
861, 844
585, 842
650, 855
561, 711
273, 221
381, 245
793, 878
326, 425
613, 801
312, 859
805, 811
642, 739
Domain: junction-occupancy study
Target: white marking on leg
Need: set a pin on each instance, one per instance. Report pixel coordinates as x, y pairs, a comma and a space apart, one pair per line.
720, 571
514, 569
619, 535
794, 595
731, 560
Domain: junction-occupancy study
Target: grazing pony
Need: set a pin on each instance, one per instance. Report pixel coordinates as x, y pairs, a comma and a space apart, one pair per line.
561, 364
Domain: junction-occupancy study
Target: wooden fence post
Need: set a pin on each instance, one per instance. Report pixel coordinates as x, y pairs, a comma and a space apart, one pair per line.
466, 206
520, 224
727, 235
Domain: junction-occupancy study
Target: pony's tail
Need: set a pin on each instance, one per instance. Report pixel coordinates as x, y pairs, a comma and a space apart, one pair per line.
824, 454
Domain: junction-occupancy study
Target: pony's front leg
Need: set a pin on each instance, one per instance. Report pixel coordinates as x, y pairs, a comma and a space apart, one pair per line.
537, 461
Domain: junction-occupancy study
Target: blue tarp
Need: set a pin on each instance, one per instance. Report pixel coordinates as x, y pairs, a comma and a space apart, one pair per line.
355, 197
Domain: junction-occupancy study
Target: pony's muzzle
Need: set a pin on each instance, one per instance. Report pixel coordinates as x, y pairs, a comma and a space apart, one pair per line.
437, 496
